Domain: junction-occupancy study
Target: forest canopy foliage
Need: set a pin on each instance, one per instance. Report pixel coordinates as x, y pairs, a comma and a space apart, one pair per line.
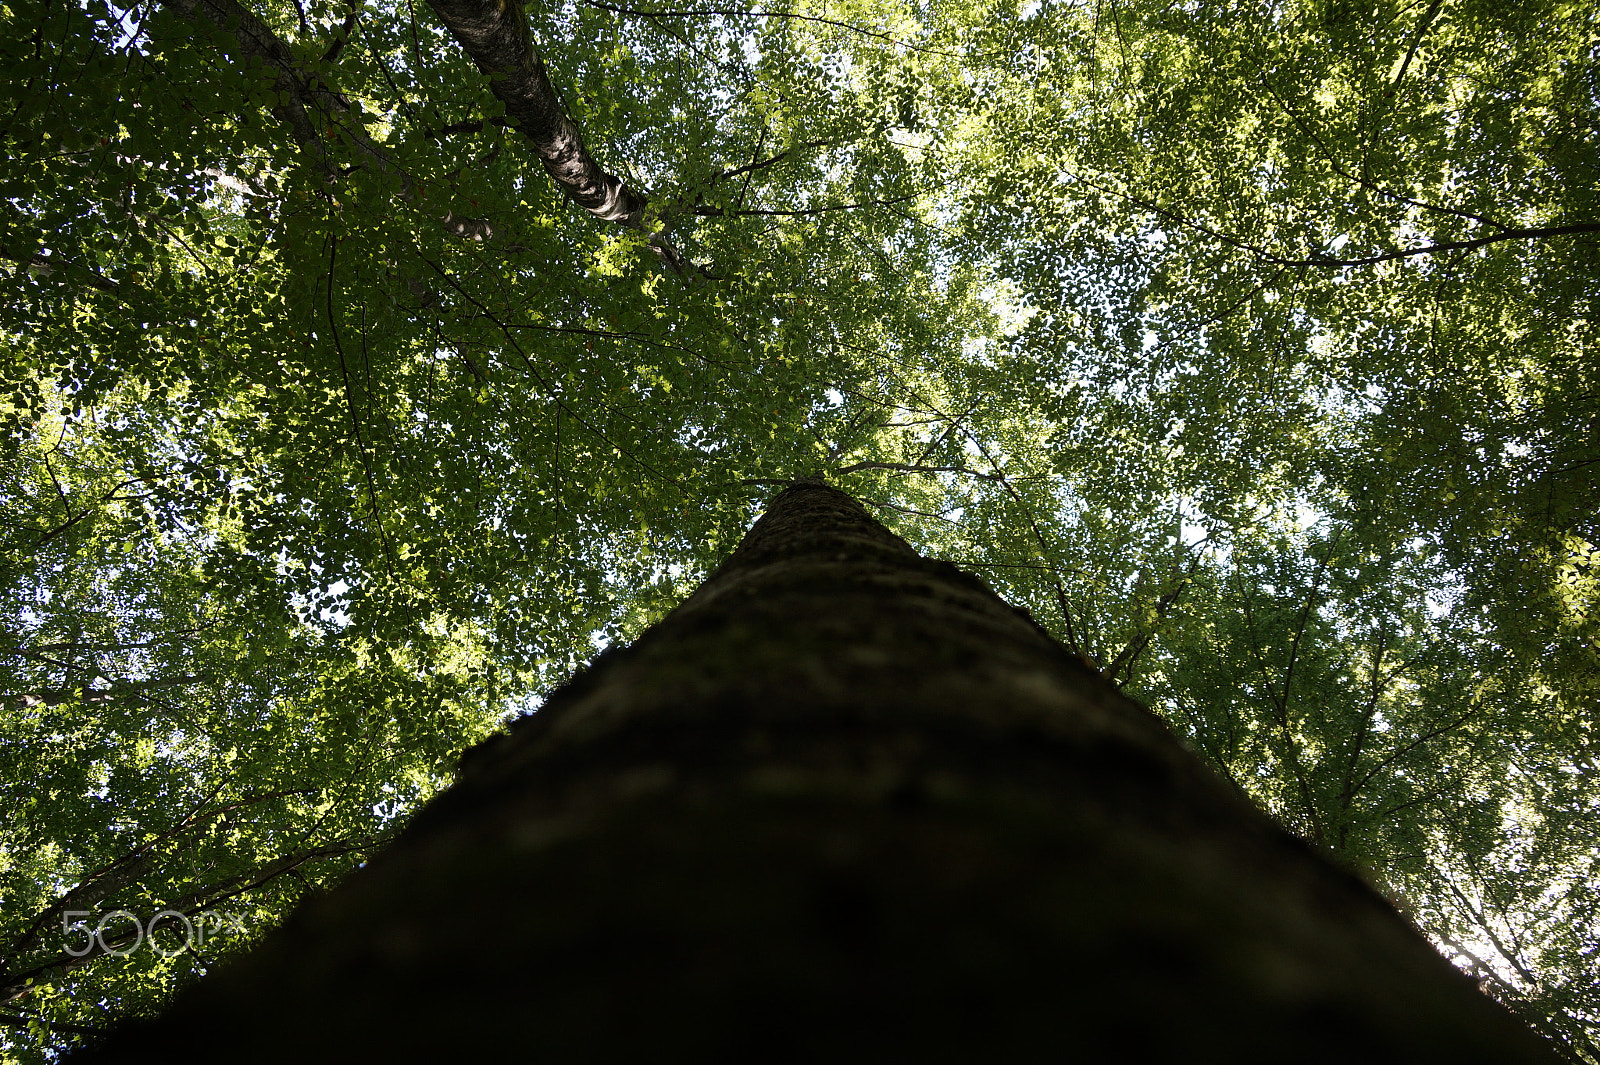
1251, 347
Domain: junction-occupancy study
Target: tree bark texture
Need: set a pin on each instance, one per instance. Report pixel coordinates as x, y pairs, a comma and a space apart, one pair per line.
495, 35
842, 805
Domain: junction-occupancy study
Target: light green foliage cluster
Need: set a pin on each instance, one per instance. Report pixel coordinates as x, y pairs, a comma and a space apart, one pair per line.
320, 458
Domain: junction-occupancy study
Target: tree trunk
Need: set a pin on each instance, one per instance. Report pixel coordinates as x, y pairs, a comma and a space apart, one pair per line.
495, 35
842, 804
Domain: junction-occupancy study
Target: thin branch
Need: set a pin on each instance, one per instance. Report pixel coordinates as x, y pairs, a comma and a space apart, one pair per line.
717, 212
950, 429
343, 36
1513, 958
910, 510
112, 648
794, 15
299, 95
60, 696
1379, 683
1328, 157
350, 404
1135, 647
1280, 700
1328, 262
1416, 41
15, 984
471, 125
1536, 233
1305, 611
762, 164
1413, 745
907, 468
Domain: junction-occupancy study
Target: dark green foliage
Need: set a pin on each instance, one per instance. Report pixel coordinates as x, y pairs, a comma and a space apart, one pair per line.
325, 448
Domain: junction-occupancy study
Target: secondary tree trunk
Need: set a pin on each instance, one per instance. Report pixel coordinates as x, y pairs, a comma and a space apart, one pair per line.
495, 35
842, 804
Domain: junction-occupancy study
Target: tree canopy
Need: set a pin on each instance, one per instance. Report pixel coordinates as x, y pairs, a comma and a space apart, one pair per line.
357, 389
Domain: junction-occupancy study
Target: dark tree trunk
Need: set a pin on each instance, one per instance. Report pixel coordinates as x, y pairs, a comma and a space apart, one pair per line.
843, 804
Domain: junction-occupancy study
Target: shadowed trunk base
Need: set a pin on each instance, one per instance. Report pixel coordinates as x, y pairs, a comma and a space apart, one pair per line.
843, 804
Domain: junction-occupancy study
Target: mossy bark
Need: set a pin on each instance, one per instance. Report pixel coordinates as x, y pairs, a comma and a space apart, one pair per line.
843, 804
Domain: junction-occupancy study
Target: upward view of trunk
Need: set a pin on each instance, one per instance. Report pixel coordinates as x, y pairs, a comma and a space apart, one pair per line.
842, 804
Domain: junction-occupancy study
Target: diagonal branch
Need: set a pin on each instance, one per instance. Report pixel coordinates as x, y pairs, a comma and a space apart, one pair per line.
495, 35
1333, 164
1413, 745
1327, 261
1136, 645
1416, 42
762, 164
